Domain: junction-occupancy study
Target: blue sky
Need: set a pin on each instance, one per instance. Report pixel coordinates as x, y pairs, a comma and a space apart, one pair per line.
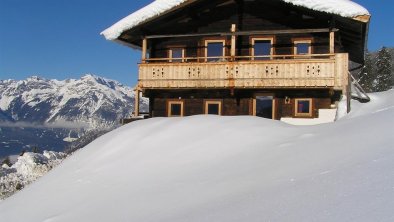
60, 38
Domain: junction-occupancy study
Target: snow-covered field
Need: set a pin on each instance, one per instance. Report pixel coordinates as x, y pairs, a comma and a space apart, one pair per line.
208, 168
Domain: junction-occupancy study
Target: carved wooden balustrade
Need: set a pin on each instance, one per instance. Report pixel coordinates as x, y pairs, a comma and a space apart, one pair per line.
306, 71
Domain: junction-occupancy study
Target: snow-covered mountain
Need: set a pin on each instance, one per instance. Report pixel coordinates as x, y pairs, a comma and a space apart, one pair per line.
49, 114
91, 101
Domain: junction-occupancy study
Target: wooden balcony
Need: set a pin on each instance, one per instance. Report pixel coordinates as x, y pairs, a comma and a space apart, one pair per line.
308, 71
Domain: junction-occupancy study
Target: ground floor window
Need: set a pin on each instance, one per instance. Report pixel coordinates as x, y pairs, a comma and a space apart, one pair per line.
175, 108
213, 107
303, 107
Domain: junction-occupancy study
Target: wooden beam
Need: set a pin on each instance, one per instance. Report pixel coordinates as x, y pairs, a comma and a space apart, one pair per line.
137, 102
363, 18
287, 57
265, 32
187, 35
144, 47
233, 29
286, 31
332, 42
348, 96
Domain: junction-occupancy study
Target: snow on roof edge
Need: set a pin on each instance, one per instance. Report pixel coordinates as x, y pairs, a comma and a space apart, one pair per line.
142, 15
344, 8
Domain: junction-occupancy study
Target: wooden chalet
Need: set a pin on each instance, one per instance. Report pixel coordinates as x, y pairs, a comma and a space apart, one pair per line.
269, 58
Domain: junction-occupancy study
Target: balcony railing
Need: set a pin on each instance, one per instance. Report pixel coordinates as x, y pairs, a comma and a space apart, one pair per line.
284, 71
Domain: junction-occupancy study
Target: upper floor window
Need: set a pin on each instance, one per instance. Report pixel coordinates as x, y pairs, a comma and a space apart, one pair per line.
176, 54
302, 46
214, 50
262, 48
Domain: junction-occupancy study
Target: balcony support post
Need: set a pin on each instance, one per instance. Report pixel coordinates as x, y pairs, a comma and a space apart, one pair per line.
332, 42
233, 29
137, 101
348, 93
144, 47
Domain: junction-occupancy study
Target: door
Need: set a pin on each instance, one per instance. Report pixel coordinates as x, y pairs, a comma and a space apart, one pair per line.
264, 107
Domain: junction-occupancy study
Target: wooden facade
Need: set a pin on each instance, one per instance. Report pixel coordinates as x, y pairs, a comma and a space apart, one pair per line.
236, 57
241, 102
235, 81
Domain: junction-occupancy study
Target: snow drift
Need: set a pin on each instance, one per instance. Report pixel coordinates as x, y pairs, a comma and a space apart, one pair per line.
208, 168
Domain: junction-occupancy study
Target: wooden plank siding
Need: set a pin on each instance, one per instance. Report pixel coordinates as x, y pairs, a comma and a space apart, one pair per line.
286, 73
241, 106
238, 103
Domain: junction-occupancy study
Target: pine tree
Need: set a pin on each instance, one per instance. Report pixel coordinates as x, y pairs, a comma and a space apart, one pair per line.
383, 71
367, 76
35, 149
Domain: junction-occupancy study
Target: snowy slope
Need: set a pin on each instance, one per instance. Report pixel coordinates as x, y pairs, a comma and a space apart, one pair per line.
345, 8
208, 168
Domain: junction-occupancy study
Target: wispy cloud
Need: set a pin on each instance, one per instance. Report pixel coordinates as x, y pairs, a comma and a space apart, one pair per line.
58, 124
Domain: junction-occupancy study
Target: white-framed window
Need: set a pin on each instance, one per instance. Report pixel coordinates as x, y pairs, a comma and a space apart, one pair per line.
303, 107
215, 50
262, 48
175, 108
302, 46
213, 107
176, 54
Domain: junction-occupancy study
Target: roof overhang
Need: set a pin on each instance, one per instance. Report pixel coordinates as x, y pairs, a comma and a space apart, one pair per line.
158, 8
131, 30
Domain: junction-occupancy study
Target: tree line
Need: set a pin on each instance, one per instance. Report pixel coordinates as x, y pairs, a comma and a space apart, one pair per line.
377, 74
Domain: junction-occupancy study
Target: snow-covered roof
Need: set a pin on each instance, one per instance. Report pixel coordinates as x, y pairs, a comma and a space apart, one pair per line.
344, 8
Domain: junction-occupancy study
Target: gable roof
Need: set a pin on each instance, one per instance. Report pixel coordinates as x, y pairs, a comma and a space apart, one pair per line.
344, 8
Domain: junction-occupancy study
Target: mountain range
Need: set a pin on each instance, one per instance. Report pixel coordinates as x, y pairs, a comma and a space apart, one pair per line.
49, 114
